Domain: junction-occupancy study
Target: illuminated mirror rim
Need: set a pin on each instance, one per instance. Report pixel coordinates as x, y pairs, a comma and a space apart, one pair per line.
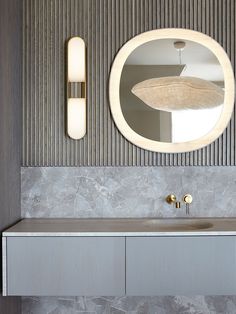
114, 90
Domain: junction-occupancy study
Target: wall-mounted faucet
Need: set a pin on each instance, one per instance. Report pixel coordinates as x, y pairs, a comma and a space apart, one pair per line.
171, 199
187, 199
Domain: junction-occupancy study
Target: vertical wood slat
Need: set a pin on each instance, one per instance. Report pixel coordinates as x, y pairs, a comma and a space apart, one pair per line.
105, 25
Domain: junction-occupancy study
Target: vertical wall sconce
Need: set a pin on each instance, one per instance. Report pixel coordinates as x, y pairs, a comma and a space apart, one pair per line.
76, 88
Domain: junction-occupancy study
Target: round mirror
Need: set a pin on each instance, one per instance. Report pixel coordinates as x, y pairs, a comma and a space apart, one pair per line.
171, 90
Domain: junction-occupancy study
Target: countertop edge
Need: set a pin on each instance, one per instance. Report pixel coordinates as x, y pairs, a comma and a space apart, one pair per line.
119, 234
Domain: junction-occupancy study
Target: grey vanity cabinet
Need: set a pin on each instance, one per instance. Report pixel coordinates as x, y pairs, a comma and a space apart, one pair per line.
181, 265
115, 266
65, 266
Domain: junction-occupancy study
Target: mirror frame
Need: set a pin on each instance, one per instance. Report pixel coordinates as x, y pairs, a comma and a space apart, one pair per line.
114, 90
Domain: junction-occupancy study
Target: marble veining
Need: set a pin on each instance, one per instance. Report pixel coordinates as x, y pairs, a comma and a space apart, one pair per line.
127, 192
130, 305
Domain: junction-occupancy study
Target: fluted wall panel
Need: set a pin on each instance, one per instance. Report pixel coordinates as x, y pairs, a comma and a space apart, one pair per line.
105, 25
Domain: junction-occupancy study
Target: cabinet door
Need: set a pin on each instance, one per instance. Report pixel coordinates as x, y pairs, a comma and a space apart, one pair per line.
181, 266
65, 266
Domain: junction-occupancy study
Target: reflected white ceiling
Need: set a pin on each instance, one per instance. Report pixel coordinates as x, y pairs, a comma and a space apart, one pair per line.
200, 61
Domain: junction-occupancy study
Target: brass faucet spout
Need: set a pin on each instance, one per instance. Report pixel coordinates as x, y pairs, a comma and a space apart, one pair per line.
177, 205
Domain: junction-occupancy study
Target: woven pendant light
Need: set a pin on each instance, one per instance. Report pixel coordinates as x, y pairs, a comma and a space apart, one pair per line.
179, 93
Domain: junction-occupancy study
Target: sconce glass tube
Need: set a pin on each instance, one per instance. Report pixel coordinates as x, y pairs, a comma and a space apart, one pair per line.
76, 111
76, 77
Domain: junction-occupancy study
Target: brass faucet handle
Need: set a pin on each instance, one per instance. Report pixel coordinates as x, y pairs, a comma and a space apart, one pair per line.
188, 198
171, 198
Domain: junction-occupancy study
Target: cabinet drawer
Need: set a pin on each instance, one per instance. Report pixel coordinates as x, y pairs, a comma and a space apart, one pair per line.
181, 265
65, 266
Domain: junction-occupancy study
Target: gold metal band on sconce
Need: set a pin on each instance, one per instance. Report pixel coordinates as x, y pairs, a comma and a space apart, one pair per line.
76, 90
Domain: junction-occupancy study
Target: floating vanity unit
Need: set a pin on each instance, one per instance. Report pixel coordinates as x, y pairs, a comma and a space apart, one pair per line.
71, 257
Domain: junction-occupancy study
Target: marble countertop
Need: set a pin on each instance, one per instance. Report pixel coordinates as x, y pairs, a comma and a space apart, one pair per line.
122, 227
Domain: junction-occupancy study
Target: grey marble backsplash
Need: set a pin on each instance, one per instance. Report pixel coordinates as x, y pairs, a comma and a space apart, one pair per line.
130, 305
128, 192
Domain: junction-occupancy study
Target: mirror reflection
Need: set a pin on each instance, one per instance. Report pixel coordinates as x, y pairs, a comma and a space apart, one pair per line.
172, 90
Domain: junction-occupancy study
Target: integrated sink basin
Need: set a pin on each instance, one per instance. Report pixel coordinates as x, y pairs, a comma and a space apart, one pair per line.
177, 225
103, 227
